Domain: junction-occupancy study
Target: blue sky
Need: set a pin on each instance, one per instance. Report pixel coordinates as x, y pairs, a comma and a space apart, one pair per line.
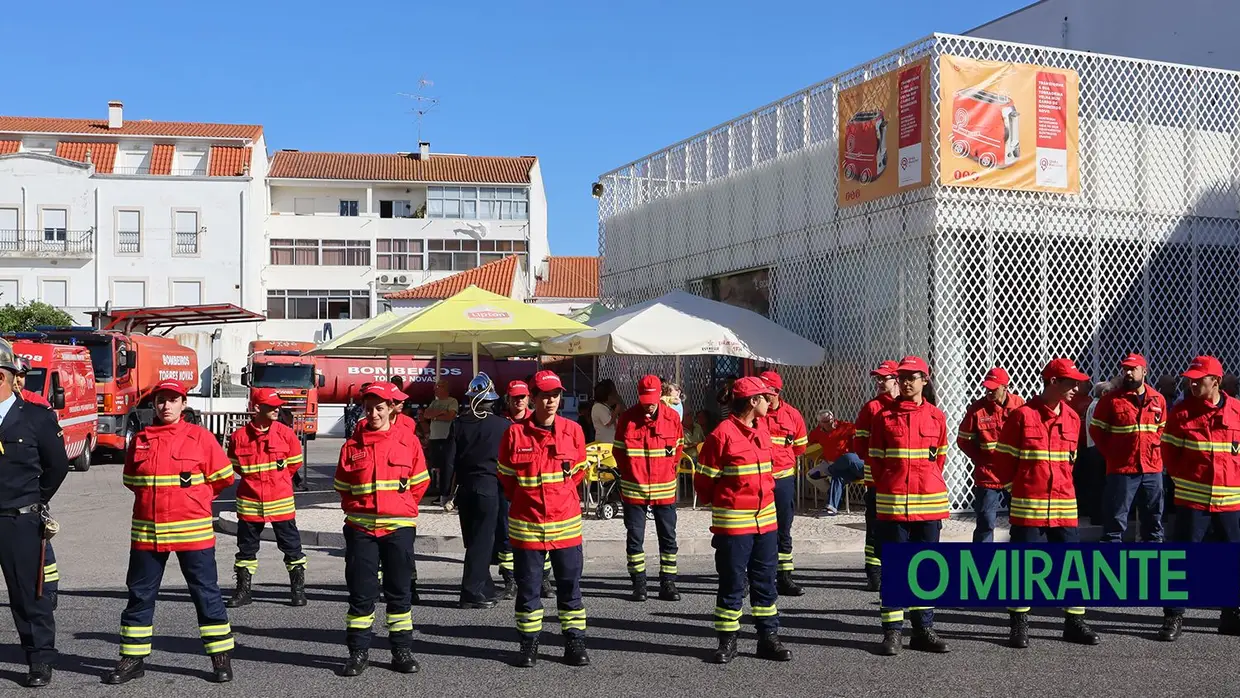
586, 86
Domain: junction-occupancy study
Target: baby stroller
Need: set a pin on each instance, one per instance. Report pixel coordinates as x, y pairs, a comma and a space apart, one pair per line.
603, 476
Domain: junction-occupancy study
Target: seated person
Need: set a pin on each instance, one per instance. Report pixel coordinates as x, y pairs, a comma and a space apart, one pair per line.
838, 465
695, 432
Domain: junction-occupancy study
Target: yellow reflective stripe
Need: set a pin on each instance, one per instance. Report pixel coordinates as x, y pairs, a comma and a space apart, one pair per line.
578, 467
708, 471
505, 470
1035, 454
170, 526
572, 619
529, 621
400, 622
254, 507
1023, 508
539, 479
1126, 428
863, 433
909, 453
222, 474
359, 622
214, 630
382, 485
911, 504
372, 522
742, 518
137, 632
727, 620
161, 480
747, 469
1206, 495
646, 452
1202, 446
788, 472
532, 532
968, 435
764, 611
653, 490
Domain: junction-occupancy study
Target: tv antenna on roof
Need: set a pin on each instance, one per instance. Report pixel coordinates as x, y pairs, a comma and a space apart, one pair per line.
425, 102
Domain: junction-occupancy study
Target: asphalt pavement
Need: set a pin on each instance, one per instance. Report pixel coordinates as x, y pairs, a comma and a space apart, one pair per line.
654, 648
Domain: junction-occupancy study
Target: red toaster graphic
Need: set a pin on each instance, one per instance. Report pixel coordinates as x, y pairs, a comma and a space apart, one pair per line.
985, 128
865, 152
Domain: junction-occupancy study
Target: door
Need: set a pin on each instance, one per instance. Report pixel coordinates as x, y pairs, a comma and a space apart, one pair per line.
8, 229
54, 292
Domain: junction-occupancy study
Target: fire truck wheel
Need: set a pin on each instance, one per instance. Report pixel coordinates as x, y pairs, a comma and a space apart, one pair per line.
82, 462
866, 178
986, 160
850, 172
960, 148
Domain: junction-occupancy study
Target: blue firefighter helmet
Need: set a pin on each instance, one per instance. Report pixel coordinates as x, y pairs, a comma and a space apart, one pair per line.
482, 388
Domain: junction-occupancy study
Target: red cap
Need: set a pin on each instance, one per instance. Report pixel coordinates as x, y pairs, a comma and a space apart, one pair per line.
649, 390
518, 388
750, 386
267, 397
1203, 366
384, 391
886, 369
912, 364
171, 387
772, 379
1064, 368
996, 378
547, 381
1134, 360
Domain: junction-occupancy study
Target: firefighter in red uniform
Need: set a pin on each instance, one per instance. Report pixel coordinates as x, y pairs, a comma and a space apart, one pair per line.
541, 462
32, 397
1201, 449
1037, 450
734, 478
175, 470
517, 410
266, 454
978, 438
886, 388
51, 571
1127, 427
788, 441
648, 446
381, 476
908, 449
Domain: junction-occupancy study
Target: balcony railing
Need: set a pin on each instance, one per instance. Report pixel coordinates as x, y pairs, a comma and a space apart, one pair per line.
146, 171
47, 242
187, 241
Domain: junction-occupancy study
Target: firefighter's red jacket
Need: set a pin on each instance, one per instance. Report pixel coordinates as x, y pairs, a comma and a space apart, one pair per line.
908, 449
647, 450
175, 472
1036, 453
381, 476
978, 436
861, 440
1201, 450
540, 470
788, 439
35, 399
1128, 430
734, 477
265, 460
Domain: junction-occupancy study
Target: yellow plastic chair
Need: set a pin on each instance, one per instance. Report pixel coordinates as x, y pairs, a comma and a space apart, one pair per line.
687, 466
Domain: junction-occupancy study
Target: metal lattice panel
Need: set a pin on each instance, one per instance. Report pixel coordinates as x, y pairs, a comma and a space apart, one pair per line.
1145, 258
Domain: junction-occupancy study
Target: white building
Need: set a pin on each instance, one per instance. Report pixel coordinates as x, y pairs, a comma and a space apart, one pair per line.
347, 228
133, 213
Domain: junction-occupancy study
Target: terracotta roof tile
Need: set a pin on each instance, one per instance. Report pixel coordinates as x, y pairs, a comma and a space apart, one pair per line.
9, 147
103, 155
228, 161
496, 277
403, 168
161, 159
99, 127
569, 277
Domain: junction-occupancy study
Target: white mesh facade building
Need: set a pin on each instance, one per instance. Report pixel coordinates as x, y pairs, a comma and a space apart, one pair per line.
1145, 258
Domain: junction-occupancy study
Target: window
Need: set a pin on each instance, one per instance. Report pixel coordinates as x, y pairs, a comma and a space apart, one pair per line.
348, 207
303, 206
191, 163
479, 203
318, 305
54, 292
129, 232
9, 294
129, 294
399, 255
459, 255
187, 232
186, 292
10, 236
346, 253
40, 147
55, 221
400, 208
135, 162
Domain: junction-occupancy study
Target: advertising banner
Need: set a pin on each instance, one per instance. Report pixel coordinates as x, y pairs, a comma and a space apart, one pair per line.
883, 126
1008, 126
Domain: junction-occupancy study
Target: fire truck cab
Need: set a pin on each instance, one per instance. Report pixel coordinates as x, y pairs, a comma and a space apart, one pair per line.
985, 128
280, 365
865, 152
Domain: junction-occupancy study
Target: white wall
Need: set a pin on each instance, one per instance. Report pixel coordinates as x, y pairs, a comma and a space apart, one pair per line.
540, 248
1194, 32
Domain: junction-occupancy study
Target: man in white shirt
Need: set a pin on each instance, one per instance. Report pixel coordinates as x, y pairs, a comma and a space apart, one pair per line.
439, 416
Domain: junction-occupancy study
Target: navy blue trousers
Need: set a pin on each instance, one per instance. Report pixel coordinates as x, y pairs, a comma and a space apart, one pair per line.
1119, 493
528, 569
20, 542
635, 539
146, 574
986, 503
785, 510
288, 540
873, 541
908, 532
363, 554
751, 556
1191, 526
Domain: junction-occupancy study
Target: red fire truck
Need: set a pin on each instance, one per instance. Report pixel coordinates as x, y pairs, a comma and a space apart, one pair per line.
62, 375
281, 366
865, 151
985, 128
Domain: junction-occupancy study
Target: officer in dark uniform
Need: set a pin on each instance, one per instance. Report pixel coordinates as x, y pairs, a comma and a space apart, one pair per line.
51, 572
472, 453
33, 463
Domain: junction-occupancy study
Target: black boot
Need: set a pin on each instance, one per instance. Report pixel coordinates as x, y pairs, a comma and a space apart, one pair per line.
1018, 629
893, 642
528, 654
297, 586
639, 587
785, 586
510, 584
356, 663
1172, 627
403, 660
39, 675
127, 669
548, 589
1076, 630
769, 647
575, 650
221, 667
727, 649
245, 582
1229, 622
873, 578
926, 640
668, 590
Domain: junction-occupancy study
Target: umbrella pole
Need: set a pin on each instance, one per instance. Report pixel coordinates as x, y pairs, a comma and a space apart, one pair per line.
438, 362
387, 366
475, 348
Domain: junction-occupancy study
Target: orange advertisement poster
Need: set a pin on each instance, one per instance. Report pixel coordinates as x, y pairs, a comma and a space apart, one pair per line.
883, 134
1008, 126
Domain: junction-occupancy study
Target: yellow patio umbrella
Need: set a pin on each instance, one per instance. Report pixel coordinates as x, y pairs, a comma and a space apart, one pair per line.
474, 317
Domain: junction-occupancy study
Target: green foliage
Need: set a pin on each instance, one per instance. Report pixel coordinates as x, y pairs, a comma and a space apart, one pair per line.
26, 316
